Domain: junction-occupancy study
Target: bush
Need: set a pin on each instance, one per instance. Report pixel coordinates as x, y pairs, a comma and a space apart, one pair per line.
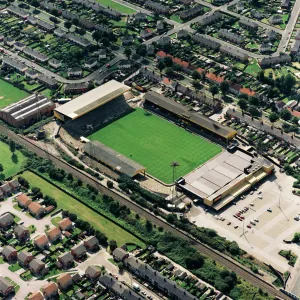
110, 184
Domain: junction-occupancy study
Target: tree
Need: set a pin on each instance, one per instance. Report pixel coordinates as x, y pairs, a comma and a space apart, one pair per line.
169, 71
12, 146
224, 87
261, 76
196, 75
253, 111
1, 168
160, 65
141, 50
273, 117
75, 21
214, 90
68, 25
127, 52
285, 115
296, 238
110, 184
168, 61
194, 262
243, 104
289, 83
112, 245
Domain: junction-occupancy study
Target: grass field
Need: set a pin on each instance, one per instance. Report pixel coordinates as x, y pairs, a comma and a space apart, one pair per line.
11, 164
117, 6
9, 94
66, 202
155, 143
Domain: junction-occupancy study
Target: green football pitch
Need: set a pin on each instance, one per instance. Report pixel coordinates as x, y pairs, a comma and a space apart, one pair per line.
154, 143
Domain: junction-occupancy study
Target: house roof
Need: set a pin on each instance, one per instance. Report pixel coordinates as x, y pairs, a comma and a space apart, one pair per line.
120, 253
7, 218
64, 279
79, 249
50, 289
91, 241
147, 271
36, 296
35, 264
66, 257
247, 91
64, 223
41, 240
19, 229
214, 77
53, 233
7, 250
34, 207
23, 255
4, 284
119, 288
92, 271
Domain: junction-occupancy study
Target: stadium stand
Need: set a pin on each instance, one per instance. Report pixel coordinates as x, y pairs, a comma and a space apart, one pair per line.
160, 104
112, 159
90, 100
95, 119
27, 110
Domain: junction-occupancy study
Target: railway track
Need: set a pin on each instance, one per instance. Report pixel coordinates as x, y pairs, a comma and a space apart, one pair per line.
227, 262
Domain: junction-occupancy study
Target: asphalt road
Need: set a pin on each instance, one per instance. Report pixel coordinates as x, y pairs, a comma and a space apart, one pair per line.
227, 262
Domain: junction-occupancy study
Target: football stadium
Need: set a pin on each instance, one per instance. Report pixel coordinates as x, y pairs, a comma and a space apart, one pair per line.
150, 139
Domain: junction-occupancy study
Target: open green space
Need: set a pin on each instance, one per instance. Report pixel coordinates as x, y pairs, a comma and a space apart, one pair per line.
12, 164
117, 6
155, 143
253, 68
9, 94
64, 201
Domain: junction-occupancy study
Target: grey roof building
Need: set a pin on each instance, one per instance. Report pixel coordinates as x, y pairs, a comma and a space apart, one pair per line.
50, 82
6, 220
119, 288
248, 24
273, 60
78, 40
233, 37
14, 64
205, 41
157, 279
6, 287
158, 7
36, 54
18, 11
233, 52
45, 26
113, 159
191, 12
119, 254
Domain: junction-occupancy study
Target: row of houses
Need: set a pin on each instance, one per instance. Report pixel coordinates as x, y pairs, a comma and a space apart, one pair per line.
155, 278
22, 68
9, 187
191, 12
210, 76
158, 7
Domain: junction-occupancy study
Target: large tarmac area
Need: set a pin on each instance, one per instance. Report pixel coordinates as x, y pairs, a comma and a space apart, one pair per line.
265, 239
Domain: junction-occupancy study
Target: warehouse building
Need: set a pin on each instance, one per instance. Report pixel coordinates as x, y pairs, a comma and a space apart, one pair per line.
90, 101
27, 111
224, 178
172, 109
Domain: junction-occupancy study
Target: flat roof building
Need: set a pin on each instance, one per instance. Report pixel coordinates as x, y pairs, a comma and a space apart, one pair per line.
90, 100
222, 179
113, 159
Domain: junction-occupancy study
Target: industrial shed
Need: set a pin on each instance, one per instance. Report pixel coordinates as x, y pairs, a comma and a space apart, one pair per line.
113, 159
27, 110
90, 100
